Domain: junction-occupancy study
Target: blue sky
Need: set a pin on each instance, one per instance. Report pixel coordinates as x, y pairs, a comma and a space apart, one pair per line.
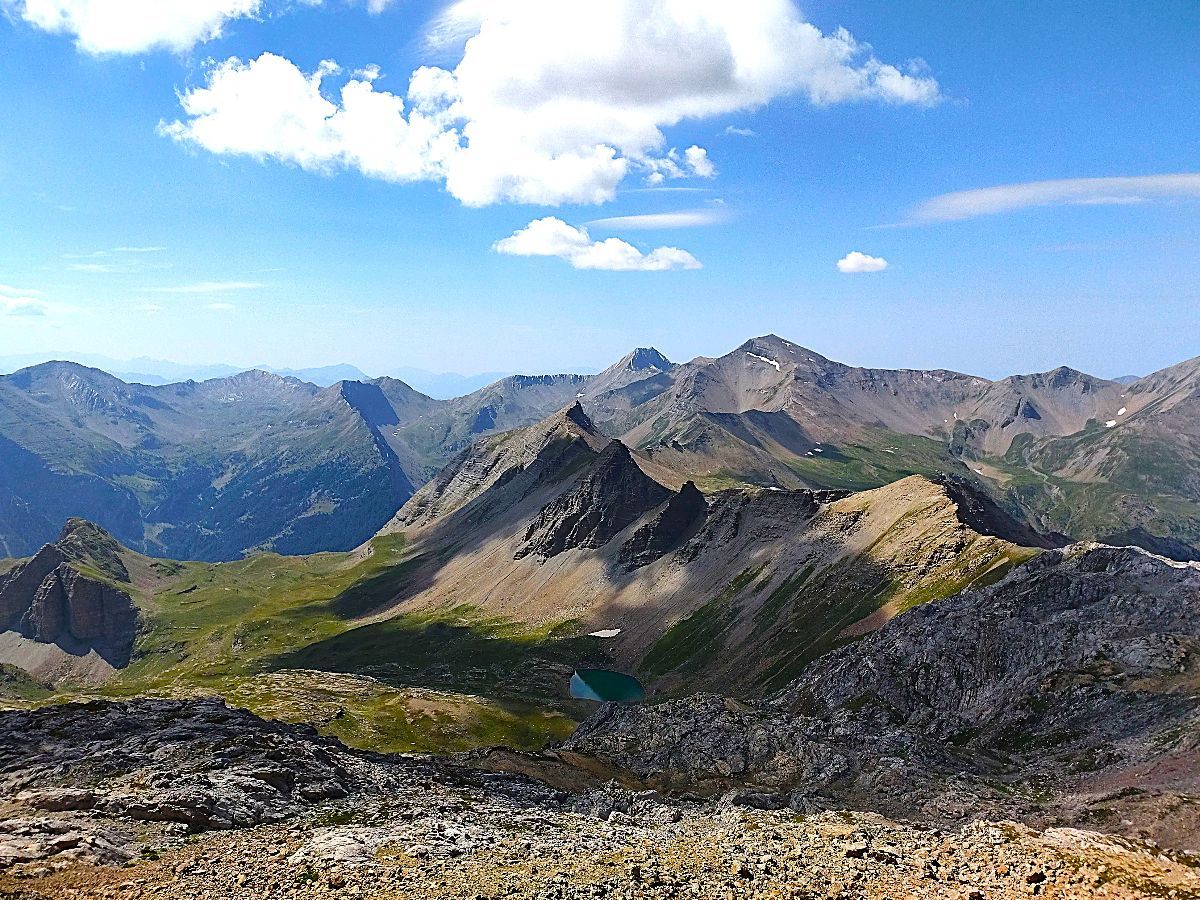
268, 248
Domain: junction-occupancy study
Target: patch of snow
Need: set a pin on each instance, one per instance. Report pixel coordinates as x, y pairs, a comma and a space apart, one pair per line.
888, 451
766, 360
1110, 423
578, 395
817, 450
606, 633
1121, 411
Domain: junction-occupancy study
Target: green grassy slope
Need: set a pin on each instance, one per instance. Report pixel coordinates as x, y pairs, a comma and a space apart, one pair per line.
279, 635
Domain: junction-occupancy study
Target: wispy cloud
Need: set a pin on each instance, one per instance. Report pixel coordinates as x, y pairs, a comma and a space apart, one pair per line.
101, 254
16, 302
961, 205
210, 287
554, 237
667, 190
220, 307
23, 306
733, 131
118, 260
99, 268
692, 218
856, 263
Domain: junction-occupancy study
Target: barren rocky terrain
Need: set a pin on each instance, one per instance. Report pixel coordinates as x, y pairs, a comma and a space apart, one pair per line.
173, 799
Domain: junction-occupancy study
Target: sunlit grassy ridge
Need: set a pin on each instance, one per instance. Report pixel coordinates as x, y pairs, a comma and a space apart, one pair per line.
798, 613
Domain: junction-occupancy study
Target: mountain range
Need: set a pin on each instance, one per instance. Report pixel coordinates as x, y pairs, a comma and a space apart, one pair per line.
217, 469
832, 599
147, 370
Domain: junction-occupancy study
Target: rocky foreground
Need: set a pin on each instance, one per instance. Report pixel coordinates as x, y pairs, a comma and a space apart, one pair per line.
1066, 694
194, 799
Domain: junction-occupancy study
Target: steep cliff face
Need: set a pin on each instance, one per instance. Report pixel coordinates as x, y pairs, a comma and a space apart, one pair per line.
679, 519
614, 495
52, 598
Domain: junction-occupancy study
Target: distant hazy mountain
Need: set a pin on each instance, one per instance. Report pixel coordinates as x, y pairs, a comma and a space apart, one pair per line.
157, 372
204, 470
445, 385
141, 370
323, 376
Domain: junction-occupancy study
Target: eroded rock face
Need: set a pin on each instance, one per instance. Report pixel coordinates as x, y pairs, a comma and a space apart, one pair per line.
19, 586
614, 495
679, 519
49, 598
69, 609
1072, 671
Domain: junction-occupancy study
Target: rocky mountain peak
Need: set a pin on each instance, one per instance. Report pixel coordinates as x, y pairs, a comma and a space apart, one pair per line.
679, 519
982, 514
645, 358
575, 414
612, 496
86, 543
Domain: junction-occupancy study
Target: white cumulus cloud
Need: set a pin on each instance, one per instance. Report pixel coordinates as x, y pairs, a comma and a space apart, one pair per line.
854, 263
133, 26
137, 26
549, 102
1005, 198
554, 237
